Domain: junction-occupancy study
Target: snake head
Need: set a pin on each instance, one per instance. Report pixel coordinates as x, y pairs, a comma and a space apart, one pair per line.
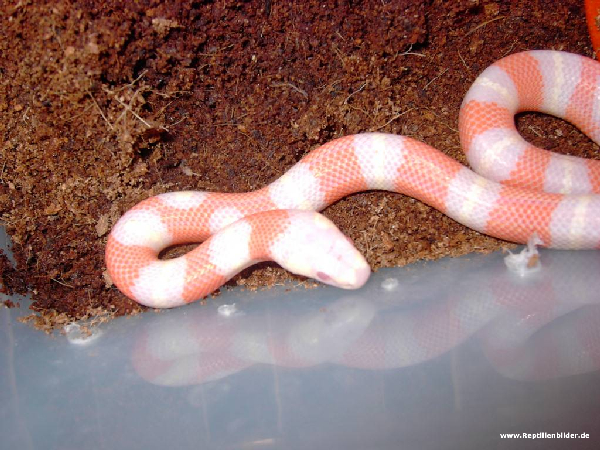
314, 247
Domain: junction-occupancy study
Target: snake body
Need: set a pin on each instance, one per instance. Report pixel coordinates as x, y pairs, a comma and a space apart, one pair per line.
519, 192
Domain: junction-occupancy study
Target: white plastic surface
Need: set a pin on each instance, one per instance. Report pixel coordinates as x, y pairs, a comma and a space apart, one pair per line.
441, 355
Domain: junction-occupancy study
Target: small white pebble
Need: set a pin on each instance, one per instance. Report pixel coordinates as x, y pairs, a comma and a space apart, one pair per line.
227, 310
76, 336
390, 284
527, 260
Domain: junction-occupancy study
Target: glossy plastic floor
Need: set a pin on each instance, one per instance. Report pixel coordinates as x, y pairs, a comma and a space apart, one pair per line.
445, 355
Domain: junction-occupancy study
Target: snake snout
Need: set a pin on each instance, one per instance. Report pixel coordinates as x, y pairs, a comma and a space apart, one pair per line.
343, 265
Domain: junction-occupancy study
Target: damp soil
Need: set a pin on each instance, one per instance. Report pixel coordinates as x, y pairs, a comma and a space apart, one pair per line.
105, 103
